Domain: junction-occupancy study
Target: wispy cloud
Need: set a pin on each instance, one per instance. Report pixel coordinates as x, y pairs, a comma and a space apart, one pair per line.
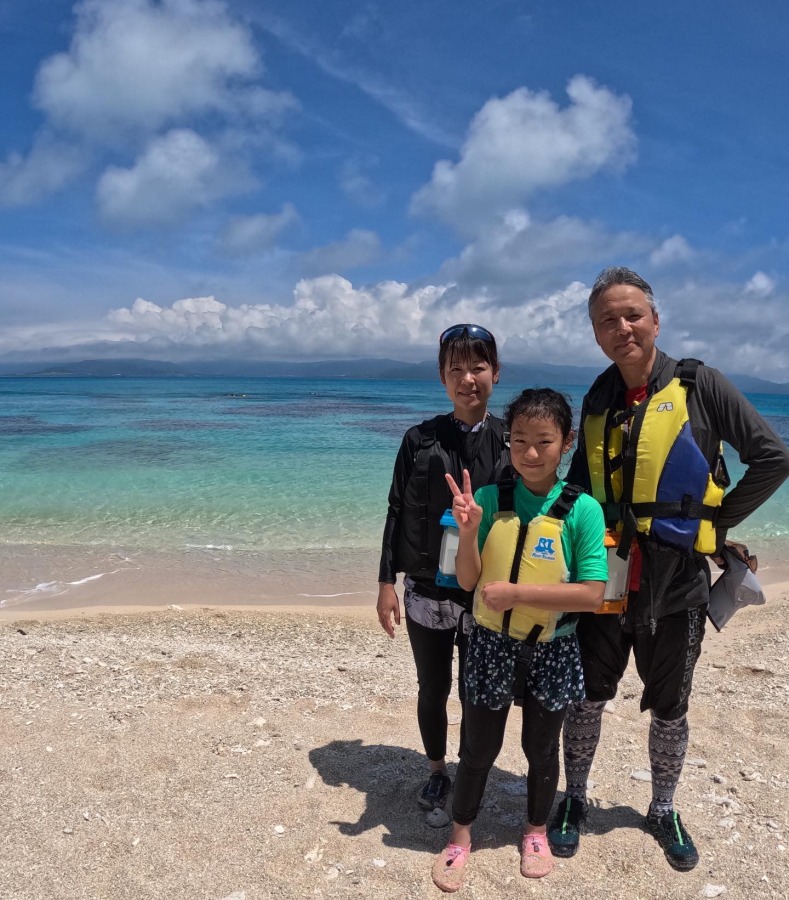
406, 108
673, 250
48, 166
245, 235
760, 285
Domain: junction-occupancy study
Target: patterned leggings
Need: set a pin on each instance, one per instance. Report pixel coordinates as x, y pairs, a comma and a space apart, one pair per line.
668, 744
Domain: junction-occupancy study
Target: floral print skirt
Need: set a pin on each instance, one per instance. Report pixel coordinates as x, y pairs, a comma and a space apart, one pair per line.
556, 677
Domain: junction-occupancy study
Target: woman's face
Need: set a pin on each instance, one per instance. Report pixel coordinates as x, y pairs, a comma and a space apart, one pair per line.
469, 384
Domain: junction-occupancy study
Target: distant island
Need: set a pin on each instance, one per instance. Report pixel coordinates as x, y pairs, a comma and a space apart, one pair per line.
375, 369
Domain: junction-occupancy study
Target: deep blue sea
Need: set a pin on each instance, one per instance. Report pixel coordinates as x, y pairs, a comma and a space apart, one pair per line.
254, 469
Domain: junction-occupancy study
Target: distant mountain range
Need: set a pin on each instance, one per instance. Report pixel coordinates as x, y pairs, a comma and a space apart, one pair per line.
378, 369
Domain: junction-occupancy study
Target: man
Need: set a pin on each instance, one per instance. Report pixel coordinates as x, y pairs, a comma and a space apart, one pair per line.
649, 449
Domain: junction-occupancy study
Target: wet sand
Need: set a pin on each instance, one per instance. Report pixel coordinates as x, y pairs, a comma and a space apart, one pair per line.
62, 581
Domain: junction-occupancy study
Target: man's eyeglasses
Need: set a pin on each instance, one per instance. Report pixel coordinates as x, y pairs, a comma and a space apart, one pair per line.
476, 332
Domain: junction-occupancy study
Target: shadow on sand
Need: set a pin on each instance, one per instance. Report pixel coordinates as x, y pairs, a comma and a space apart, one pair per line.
391, 777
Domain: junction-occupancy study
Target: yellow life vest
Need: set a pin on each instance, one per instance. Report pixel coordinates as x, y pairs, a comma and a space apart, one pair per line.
525, 553
650, 475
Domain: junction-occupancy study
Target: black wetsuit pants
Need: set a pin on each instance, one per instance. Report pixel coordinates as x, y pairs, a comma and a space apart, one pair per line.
433, 650
484, 738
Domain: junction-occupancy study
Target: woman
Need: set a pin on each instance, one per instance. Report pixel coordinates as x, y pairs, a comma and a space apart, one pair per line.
467, 438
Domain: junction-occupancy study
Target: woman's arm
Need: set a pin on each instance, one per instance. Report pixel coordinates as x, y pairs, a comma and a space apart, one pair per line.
403, 466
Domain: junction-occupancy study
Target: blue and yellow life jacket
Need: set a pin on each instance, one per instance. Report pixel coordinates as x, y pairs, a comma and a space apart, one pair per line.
525, 553
648, 472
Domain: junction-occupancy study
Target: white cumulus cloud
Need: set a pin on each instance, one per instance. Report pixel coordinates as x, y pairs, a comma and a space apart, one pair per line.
136, 70
517, 253
176, 173
709, 319
139, 65
329, 317
524, 142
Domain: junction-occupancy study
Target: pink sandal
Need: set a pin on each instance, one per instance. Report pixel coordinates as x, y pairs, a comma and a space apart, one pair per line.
449, 867
536, 856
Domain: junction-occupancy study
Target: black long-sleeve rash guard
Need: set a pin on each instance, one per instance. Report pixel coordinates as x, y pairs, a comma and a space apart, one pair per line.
482, 452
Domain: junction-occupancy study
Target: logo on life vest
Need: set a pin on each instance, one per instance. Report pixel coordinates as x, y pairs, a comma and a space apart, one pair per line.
544, 549
668, 406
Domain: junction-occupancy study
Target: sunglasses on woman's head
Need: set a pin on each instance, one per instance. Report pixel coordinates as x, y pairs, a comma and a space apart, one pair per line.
475, 332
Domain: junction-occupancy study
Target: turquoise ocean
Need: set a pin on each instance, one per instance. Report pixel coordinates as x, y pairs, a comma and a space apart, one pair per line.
277, 483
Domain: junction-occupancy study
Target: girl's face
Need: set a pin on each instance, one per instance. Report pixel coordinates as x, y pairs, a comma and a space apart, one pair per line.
536, 449
469, 383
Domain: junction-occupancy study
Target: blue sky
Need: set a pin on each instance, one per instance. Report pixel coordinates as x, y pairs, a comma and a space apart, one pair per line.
195, 178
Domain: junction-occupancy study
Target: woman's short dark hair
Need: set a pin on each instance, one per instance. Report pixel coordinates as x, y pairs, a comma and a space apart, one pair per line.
541, 403
464, 346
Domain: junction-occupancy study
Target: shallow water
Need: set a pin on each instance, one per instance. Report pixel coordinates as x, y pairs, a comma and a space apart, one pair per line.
277, 483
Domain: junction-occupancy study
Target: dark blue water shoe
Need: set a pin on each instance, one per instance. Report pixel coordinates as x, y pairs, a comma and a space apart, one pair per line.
564, 833
434, 793
672, 836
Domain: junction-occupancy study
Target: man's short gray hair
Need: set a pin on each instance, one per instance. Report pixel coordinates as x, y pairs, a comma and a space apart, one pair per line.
620, 275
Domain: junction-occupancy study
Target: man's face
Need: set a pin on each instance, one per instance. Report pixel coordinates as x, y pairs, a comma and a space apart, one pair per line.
625, 326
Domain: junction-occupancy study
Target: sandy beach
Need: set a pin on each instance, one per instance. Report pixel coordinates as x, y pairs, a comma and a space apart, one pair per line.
245, 753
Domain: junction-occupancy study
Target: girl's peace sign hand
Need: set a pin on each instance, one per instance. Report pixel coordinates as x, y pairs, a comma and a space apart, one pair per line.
467, 513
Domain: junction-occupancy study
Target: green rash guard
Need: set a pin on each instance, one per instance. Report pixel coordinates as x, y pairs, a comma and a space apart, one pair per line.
582, 536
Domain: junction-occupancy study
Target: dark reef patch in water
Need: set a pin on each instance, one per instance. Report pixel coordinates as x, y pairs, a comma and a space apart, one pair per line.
322, 406
181, 425
33, 425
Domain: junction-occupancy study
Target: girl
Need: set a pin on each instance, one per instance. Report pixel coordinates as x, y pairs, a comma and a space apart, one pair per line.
523, 593
467, 439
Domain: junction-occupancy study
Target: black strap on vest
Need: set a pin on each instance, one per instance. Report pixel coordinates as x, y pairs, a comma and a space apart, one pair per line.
523, 665
559, 510
686, 372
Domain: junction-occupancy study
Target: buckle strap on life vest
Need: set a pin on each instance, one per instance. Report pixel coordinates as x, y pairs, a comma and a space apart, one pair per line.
687, 508
686, 370
629, 531
523, 665
514, 572
564, 502
506, 495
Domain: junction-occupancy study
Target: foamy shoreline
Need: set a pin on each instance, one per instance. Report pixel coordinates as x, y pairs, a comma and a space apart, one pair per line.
119, 583
48, 580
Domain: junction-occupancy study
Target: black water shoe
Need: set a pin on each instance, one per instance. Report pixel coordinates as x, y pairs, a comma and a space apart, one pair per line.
564, 833
672, 836
434, 793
